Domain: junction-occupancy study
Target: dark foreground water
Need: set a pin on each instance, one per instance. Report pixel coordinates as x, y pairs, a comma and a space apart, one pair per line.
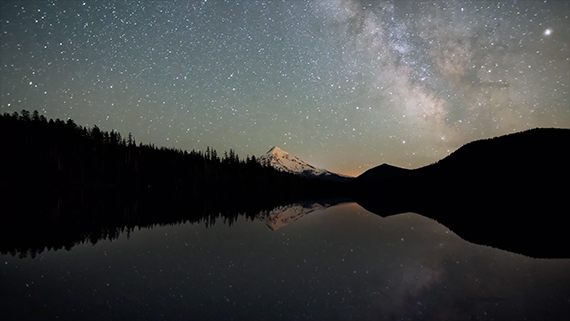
340, 263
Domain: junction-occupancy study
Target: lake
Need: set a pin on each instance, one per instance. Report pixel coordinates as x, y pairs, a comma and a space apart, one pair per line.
308, 262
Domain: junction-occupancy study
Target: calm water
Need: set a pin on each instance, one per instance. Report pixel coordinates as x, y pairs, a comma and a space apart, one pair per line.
291, 264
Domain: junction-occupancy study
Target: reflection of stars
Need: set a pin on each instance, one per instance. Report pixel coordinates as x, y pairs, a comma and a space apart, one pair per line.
547, 32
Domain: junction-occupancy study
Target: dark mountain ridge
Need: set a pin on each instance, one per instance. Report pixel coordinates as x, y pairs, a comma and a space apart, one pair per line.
515, 153
510, 192
380, 172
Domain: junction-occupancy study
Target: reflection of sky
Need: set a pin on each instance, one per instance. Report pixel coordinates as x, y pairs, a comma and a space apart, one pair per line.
344, 84
340, 263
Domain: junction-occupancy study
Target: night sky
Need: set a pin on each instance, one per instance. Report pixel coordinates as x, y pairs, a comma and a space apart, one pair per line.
343, 84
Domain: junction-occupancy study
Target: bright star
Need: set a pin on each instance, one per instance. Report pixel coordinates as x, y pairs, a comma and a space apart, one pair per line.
547, 32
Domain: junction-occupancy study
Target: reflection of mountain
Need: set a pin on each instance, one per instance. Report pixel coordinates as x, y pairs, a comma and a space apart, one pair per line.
510, 192
283, 215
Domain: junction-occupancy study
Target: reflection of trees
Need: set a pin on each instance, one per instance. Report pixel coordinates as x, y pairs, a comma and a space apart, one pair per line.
64, 184
106, 216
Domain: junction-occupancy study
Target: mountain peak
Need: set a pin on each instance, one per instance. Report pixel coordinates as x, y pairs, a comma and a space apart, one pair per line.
276, 151
285, 162
381, 172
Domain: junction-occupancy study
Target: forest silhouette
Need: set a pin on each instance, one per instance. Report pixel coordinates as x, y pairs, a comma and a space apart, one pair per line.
57, 154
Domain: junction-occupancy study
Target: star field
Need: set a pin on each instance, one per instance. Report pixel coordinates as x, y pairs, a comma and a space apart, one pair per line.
343, 84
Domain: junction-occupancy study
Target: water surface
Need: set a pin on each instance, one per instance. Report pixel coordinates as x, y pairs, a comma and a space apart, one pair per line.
337, 263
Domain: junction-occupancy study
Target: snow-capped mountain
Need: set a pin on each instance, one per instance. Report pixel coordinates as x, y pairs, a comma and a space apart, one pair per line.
283, 161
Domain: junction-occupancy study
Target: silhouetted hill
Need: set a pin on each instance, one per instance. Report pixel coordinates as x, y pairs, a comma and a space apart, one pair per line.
528, 154
379, 173
510, 192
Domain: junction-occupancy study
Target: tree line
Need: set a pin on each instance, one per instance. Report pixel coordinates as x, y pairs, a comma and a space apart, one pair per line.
59, 154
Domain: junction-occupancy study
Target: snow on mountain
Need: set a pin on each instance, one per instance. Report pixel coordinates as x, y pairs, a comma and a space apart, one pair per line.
283, 161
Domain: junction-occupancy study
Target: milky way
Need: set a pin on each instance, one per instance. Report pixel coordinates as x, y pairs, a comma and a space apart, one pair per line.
343, 84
